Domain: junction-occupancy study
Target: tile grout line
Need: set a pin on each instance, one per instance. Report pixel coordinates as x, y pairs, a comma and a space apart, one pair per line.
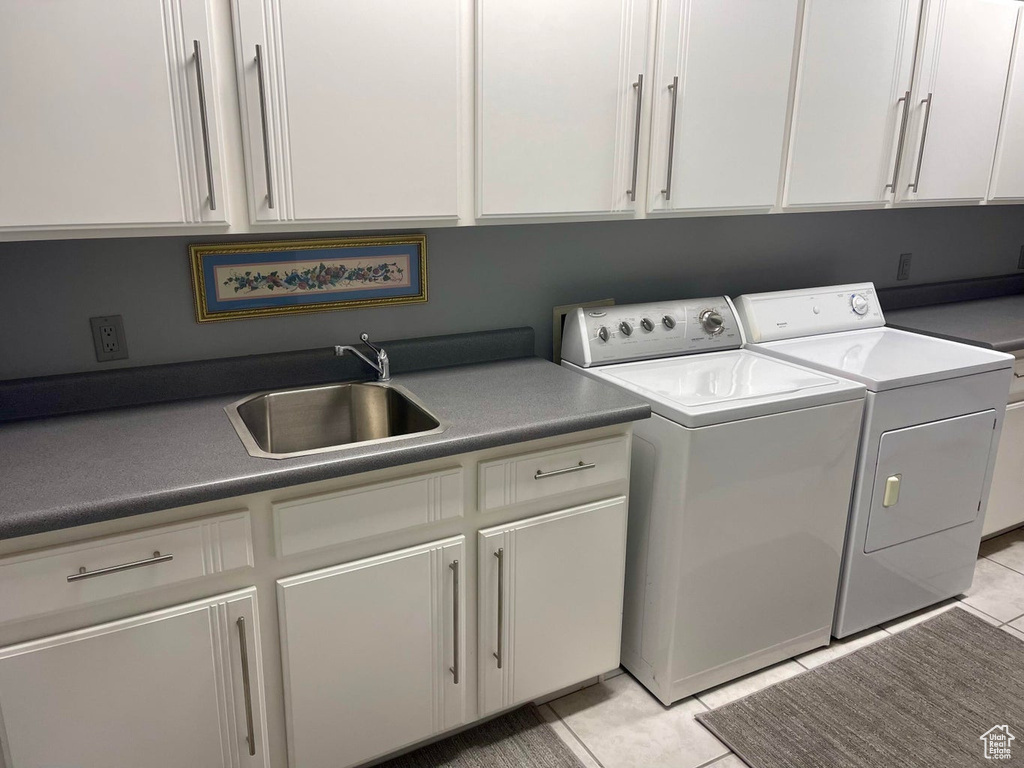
576, 736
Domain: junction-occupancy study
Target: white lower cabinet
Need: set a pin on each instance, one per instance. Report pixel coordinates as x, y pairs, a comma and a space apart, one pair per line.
1006, 499
373, 654
550, 602
177, 687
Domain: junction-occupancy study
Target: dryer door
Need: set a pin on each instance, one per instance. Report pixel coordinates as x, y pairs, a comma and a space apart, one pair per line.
929, 478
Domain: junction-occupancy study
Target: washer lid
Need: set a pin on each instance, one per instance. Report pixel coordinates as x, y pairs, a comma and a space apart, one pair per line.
726, 386
884, 358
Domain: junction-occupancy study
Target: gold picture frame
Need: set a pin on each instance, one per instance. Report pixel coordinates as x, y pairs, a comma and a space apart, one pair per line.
239, 281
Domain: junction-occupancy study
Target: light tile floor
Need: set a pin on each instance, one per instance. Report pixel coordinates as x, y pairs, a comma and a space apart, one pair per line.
618, 724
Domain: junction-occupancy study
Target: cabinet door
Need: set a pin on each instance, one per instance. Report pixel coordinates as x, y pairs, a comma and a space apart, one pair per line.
957, 102
1008, 172
162, 690
721, 96
355, 113
559, 86
370, 652
856, 64
102, 115
550, 602
1006, 499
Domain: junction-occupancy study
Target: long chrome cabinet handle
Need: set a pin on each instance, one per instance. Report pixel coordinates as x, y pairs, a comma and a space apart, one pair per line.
454, 669
266, 126
638, 86
500, 554
924, 137
899, 142
554, 472
205, 122
246, 689
84, 574
674, 87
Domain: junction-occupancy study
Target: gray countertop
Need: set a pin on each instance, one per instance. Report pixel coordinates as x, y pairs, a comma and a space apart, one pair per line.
72, 470
997, 323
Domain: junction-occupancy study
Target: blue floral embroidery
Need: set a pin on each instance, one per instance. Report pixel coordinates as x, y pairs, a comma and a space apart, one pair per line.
317, 278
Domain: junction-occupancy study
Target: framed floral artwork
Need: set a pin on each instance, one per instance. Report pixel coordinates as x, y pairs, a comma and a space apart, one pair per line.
234, 281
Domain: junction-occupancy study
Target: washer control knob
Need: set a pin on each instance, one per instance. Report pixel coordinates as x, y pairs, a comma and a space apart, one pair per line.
602, 334
712, 322
859, 304
647, 325
626, 328
669, 322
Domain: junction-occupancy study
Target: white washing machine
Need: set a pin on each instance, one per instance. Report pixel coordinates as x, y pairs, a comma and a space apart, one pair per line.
739, 491
931, 428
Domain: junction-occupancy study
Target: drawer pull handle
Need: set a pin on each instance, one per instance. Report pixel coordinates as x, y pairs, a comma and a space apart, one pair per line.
246, 688
674, 88
891, 497
1018, 375
500, 554
924, 137
84, 574
578, 468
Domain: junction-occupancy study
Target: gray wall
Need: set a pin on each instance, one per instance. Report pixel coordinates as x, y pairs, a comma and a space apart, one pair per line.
484, 277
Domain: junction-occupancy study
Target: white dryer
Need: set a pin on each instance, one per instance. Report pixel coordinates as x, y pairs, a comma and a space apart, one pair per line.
931, 428
739, 491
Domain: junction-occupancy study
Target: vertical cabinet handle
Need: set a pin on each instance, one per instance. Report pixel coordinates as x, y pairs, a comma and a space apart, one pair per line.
454, 669
674, 88
638, 86
246, 689
265, 125
500, 554
205, 122
924, 137
899, 142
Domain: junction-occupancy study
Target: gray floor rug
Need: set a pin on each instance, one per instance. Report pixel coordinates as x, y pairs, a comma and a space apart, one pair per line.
520, 739
920, 699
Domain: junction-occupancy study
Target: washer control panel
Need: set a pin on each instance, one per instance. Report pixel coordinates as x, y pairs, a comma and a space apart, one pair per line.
601, 335
809, 312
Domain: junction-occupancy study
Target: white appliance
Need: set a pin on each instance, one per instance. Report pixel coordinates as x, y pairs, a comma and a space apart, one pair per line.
931, 428
739, 491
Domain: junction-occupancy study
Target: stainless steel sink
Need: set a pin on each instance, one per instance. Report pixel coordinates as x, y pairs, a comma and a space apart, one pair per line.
298, 422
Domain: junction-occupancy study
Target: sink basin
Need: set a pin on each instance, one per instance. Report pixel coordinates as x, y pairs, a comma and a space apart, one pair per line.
298, 422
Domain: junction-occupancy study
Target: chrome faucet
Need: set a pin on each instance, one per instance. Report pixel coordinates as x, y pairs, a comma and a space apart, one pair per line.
382, 366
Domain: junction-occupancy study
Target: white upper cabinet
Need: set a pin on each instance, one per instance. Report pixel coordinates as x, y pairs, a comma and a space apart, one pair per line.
856, 66
103, 123
963, 62
1008, 171
350, 110
720, 97
559, 92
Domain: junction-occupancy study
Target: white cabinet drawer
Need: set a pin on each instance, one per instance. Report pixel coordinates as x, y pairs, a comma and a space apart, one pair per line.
313, 522
38, 582
1017, 385
531, 476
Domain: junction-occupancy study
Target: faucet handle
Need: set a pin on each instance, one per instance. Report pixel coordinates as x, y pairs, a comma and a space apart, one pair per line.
365, 338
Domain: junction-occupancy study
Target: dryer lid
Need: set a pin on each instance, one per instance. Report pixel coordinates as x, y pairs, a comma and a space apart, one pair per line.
727, 386
885, 358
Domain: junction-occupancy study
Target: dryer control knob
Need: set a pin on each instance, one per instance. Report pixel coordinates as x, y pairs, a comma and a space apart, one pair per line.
669, 322
602, 334
712, 322
647, 325
626, 328
859, 304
